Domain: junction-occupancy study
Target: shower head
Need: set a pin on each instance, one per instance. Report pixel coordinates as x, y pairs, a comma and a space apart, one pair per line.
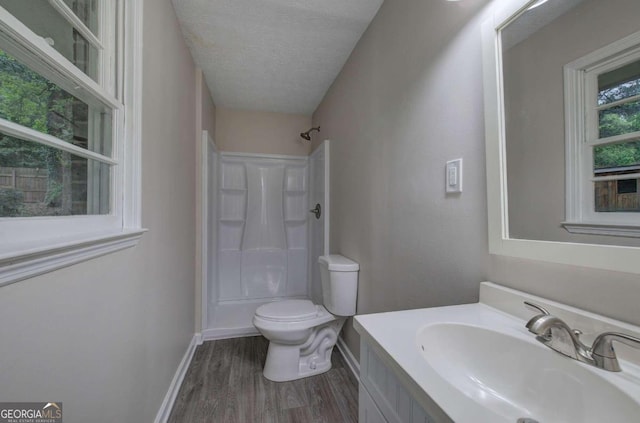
307, 135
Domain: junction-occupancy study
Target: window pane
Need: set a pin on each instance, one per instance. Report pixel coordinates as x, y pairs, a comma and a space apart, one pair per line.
616, 159
621, 119
36, 180
28, 99
617, 196
627, 186
45, 21
619, 84
87, 11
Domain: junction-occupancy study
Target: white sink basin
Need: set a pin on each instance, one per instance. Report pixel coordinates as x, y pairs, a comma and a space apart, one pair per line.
480, 364
511, 374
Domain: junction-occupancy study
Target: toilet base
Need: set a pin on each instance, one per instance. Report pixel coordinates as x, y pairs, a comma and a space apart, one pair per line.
291, 362
283, 364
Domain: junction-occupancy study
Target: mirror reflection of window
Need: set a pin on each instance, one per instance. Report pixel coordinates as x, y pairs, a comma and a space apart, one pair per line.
572, 178
618, 105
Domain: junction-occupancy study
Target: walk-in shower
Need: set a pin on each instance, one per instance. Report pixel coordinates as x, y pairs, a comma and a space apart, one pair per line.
266, 243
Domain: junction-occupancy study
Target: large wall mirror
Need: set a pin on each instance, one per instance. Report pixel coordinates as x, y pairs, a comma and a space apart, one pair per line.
562, 89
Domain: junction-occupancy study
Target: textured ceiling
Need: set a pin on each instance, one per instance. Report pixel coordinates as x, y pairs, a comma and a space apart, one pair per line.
272, 55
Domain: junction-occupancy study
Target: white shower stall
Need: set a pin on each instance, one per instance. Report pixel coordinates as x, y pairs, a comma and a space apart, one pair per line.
264, 241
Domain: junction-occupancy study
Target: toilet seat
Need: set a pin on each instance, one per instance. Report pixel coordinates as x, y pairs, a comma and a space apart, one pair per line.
288, 311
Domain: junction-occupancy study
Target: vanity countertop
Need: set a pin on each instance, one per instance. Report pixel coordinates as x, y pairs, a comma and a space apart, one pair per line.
393, 335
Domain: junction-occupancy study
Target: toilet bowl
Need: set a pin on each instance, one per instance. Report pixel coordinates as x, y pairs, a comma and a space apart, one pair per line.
300, 343
302, 334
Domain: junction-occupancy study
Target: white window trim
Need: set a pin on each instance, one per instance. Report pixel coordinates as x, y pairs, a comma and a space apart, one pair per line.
29, 134
66, 12
579, 138
80, 238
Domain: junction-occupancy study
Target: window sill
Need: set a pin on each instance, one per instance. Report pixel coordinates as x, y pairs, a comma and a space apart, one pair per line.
602, 229
19, 262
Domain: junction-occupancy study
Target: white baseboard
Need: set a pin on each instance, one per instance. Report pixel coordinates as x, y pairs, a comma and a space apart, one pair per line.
172, 393
212, 334
353, 364
198, 337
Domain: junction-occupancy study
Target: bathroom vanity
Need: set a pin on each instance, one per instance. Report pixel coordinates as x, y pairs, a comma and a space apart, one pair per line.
384, 394
479, 363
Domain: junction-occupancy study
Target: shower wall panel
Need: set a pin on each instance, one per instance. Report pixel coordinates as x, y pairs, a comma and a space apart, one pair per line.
318, 230
262, 226
265, 217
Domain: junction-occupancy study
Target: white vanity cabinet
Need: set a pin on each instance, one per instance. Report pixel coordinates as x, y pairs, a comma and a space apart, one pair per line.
383, 397
368, 411
478, 363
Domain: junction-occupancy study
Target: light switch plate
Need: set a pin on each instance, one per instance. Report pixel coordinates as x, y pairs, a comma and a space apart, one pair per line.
453, 178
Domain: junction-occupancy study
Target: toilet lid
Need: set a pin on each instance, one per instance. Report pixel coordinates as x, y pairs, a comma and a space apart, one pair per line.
288, 310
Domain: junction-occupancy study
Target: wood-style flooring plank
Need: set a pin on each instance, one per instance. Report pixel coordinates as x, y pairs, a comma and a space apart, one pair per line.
224, 383
341, 382
204, 385
323, 406
295, 415
292, 394
266, 400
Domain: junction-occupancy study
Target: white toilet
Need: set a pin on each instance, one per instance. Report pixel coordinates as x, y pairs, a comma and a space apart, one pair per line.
302, 334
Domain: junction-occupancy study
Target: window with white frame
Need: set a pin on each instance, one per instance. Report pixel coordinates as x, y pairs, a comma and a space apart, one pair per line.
69, 132
602, 114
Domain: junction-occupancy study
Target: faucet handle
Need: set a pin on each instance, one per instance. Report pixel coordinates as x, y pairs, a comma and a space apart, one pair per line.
537, 307
603, 352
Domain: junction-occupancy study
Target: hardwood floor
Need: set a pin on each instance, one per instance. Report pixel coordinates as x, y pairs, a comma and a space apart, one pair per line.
224, 383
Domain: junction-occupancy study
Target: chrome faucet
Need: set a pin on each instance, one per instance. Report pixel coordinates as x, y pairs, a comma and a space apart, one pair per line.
557, 335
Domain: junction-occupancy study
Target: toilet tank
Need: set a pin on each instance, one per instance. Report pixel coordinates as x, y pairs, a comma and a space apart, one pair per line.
339, 284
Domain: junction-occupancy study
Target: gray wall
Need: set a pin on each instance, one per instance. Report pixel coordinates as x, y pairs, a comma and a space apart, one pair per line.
105, 337
410, 98
205, 120
259, 132
205, 103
